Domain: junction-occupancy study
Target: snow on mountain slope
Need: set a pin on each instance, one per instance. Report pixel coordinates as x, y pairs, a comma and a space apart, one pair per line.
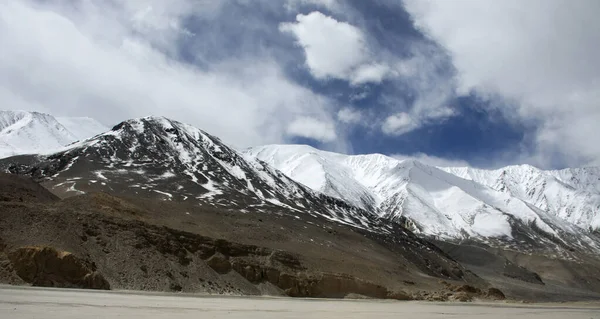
24, 132
164, 160
446, 203
318, 170
155, 156
572, 194
82, 127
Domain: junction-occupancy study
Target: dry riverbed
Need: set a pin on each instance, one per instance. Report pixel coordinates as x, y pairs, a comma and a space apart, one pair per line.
26, 302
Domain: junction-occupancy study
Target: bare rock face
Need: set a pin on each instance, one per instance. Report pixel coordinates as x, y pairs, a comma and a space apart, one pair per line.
219, 263
495, 293
48, 267
462, 293
467, 289
7, 271
329, 285
315, 285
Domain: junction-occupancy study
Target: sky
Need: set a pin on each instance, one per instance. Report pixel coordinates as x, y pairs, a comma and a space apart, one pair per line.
483, 83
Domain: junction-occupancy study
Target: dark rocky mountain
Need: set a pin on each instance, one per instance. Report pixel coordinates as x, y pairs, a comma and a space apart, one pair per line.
159, 158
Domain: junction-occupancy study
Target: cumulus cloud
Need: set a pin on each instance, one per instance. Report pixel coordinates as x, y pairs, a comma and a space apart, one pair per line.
118, 60
334, 49
312, 128
540, 56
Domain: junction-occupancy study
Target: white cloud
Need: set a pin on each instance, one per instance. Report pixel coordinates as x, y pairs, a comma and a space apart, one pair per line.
399, 123
334, 49
312, 128
432, 90
540, 55
369, 73
349, 115
432, 160
114, 61
402, 122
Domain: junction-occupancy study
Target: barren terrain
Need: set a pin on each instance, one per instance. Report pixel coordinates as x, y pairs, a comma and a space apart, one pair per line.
20, 303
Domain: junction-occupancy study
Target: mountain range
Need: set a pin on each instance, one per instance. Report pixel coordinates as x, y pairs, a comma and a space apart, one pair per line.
506, 215
517, 204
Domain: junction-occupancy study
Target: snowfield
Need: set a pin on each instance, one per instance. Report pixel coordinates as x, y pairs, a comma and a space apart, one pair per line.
448, 202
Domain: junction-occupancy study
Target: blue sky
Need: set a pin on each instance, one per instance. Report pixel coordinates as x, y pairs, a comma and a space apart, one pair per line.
478, 83
470, 135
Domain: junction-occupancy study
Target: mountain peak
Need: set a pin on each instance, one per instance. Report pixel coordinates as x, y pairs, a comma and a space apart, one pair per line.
157, 156
9, 118
24, 132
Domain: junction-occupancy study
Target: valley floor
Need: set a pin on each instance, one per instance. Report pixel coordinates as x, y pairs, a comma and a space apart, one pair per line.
27, 302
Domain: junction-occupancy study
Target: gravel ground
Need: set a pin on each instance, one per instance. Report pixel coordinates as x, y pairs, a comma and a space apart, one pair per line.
21, 302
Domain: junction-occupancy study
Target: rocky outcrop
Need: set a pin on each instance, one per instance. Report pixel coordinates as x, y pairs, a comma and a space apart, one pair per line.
467, 289
48, 267
7, 272
462, 293
219, 263
314, 285
495, 293
260, 265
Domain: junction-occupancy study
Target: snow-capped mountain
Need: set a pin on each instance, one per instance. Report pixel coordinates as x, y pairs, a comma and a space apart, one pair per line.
31, 132
158, 157
572, 194
519, 205
23, 132
191, 171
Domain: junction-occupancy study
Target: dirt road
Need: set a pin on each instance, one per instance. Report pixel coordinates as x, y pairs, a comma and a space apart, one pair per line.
19, 302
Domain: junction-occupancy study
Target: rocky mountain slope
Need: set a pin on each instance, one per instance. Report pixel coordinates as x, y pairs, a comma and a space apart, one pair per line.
99, 241
23, 132
158, 157
521, 208
152, 244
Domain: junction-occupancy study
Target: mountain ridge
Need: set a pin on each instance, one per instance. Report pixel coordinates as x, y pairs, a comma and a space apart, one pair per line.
447, 202
423, 218
505, 206
25, 132
156, 155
